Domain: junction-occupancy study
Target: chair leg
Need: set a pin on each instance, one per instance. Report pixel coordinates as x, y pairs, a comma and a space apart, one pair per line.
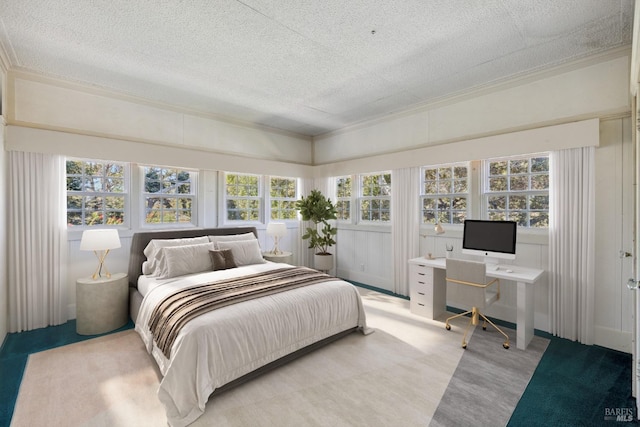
448, 326
506, 343
472, 321
474, 316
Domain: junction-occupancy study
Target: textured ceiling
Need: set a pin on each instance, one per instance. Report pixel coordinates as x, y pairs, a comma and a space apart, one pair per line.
306, 66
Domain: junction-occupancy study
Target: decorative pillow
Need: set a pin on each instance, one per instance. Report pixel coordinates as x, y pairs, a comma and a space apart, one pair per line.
152, 251
180, 260
222, 260
232, 237
245, 252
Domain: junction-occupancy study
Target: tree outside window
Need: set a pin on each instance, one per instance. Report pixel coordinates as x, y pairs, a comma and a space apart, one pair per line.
517, 189
375, 197
445, 191
343, 198
283, 196
243, 197
96, 193
169, 195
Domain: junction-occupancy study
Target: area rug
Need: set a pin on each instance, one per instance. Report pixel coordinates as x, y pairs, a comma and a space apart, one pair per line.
404, 373
488, 381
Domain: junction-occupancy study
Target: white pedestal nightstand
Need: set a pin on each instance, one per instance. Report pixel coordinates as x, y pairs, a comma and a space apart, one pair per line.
285, 257
102, 305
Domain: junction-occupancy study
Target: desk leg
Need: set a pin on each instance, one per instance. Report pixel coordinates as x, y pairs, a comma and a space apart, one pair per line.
525, 315
439, 302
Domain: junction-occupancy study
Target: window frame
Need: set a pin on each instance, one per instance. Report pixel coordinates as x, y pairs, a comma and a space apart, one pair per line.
468, 196
345, 199
263, 197
486, 193
269, 198
193, 195
224, 198
360, 198
126, 194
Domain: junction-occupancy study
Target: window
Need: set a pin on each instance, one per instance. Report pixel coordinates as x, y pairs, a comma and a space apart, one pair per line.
169, 195
343, 198
243, 197
517, 189
375, 197
96, 193
445, 191
283, 194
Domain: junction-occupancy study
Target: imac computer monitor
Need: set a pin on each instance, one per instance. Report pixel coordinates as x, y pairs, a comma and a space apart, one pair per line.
491, 239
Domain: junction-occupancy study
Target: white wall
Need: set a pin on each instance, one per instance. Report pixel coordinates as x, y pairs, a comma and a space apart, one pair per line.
3, 200
4, 297
614, 234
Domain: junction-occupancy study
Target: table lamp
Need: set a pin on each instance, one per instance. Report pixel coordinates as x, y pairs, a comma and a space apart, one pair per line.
100, 242
276, 230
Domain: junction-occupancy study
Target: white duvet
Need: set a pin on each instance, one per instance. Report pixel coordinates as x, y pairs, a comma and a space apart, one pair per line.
226, 343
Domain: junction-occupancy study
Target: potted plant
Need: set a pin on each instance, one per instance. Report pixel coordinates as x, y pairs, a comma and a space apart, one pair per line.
319, 210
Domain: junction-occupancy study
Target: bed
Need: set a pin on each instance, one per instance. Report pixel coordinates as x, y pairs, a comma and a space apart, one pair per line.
241, 338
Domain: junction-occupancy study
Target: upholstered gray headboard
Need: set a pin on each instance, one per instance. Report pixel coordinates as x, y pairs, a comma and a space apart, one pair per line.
141, 240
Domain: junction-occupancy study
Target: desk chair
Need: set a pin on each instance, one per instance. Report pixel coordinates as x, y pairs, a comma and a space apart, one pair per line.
468, 280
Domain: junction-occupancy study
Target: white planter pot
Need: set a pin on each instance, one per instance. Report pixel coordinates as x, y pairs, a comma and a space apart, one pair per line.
323, 262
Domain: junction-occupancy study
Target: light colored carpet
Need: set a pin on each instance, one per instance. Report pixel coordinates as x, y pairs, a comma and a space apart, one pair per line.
398, 374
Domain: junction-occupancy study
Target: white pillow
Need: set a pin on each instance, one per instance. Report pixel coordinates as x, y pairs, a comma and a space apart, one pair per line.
232, 238
180, 260
152, 251
245, 252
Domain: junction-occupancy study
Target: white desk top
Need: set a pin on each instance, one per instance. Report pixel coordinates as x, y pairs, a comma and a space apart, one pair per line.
506, 271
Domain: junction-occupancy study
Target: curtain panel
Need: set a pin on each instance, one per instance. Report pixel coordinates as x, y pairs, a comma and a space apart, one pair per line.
405, 224
37, 241
572, 244
305, 254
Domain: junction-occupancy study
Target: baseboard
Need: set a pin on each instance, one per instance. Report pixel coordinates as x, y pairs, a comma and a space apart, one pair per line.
361, 277
613, 339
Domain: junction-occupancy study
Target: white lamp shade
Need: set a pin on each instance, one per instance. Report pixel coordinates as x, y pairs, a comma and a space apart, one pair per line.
99, 240
276, 229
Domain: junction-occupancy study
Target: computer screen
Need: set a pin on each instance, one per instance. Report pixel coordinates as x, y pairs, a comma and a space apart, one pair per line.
494, 239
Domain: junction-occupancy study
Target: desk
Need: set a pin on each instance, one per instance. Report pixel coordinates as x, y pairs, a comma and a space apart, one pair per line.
429, 292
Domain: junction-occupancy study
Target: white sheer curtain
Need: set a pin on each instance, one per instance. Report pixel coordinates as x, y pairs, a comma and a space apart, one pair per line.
37, 242
405, 224
305, 254
572, 244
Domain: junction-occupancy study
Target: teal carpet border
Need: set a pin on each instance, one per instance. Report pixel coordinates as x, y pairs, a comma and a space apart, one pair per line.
373, 288
16, 349
578, 385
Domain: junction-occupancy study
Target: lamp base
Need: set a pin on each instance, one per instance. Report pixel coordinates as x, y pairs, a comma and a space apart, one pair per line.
101, 257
